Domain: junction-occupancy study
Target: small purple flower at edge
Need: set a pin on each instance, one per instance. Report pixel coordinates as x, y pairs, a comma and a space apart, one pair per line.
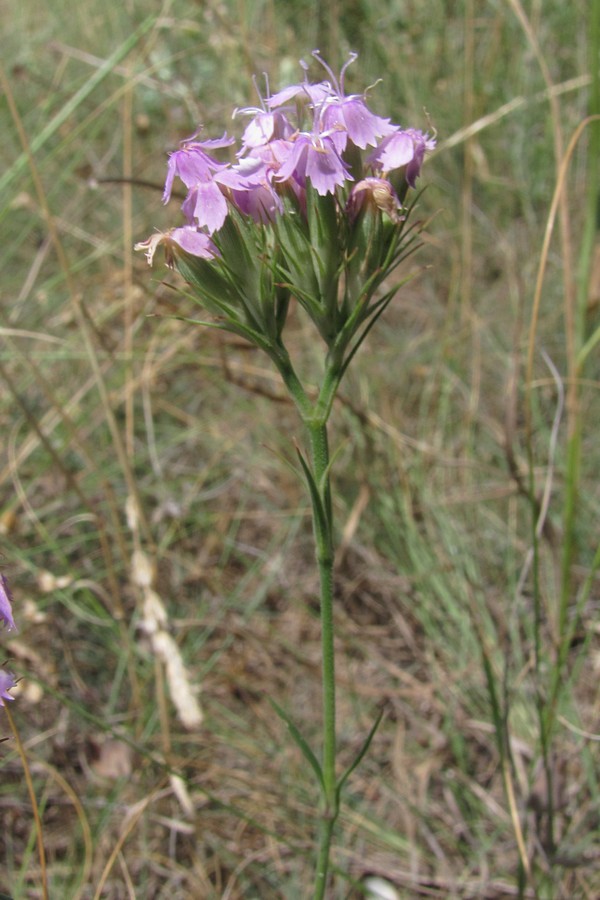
6, 683
6, 616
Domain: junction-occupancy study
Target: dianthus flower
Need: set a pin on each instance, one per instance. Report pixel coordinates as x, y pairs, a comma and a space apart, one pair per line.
303, 93
343, 116
249, 186
188, 238
192, 163
282, 155
315, 156
265, 127
348, 115
402, 148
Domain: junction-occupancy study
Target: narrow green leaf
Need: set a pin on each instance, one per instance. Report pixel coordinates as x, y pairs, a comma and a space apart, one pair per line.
308, 301
219, 291
587, 348
325, 244
210, 282
333, 459
232, 327
360, 756
315, 496
301, 742
297, 253
382, 306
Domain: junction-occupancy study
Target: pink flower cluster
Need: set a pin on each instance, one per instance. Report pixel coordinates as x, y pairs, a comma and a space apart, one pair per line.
306, 132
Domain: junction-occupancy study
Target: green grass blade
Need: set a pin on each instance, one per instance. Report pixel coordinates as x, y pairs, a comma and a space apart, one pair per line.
76, 100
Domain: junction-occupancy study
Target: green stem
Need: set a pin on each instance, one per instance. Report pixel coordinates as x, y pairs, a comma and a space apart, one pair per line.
325, 558
280, 356
325, 833
314, 417
319, 452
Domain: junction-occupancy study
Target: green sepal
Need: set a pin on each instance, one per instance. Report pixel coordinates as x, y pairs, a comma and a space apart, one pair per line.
220, 292
301, 743
324, 236
214, 291
237, 240
306, 299
296, 256
282, 305
241, 284
322, 219
310, 260
364, 244
353, 161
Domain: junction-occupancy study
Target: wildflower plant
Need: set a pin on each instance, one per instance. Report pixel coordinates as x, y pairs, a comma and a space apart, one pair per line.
311, 212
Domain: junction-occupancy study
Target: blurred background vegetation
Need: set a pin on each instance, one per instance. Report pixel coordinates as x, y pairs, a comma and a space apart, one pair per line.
467, 490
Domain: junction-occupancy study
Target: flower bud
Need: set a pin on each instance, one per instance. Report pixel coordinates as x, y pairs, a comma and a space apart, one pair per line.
372, 194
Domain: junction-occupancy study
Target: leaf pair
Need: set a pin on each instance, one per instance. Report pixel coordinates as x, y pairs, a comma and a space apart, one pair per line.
310, 756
